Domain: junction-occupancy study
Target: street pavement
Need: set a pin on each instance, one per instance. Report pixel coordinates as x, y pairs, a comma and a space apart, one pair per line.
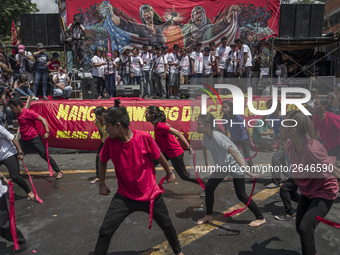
68, 221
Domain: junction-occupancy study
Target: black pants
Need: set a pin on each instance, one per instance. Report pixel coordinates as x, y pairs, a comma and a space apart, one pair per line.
97, 158
100, 85
122, 207
38, 146
306, 222
246, 150
288, 192
5, 229
12, 165
179, 166
278, 159
240, 190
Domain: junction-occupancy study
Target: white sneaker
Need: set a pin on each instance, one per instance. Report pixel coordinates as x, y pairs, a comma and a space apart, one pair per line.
35, 98
10, 126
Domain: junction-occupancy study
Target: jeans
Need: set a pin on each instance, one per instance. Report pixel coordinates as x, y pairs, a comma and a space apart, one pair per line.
60, 93
40, 75
288, 192
110, 80
126, 79
138, 80
12, 165
9, 116
160, 84
100, 85
306, 222
122, 207
38, 146
25, 91
245, 148
246, 78
146, 82
240, 190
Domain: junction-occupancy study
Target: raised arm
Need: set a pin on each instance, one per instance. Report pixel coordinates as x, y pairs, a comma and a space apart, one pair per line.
181, 138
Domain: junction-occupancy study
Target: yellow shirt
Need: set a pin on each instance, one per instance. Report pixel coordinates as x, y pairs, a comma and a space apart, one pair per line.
102, 129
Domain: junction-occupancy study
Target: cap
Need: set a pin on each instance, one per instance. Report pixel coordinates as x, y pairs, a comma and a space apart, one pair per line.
232, 44
206, 49
109, 54
55, 55
314, 90
40, 46
21, 48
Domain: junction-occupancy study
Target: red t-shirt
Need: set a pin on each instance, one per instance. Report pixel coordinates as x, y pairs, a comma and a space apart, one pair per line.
28, 128
168, 144
329, 128
312, 184
133, 165
54, 65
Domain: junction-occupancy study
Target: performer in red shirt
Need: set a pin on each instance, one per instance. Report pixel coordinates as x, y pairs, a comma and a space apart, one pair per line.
131, 152
169, 145
30, 137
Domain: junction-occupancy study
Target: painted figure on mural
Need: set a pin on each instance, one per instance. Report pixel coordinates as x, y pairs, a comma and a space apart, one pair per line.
152, 28
200, 28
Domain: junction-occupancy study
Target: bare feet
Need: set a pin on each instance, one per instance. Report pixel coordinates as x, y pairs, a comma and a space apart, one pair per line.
205, 219
257, 223
30, 196
95, 180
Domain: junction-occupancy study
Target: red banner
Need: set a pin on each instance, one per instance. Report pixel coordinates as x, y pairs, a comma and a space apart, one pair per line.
120, 23
72, 125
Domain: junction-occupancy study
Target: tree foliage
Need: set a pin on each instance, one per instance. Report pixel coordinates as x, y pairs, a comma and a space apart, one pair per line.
11, 10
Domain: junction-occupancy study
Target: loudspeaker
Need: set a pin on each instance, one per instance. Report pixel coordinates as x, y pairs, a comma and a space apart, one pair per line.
128, 91
324, 84
40, 28
187, 91
302, 20
315, 26
287, 20
89, 88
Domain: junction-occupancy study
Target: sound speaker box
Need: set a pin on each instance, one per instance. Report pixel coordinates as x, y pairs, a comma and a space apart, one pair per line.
40, 28
302, 19
128, 91
187, 91
287, 20
89, 88
315, 26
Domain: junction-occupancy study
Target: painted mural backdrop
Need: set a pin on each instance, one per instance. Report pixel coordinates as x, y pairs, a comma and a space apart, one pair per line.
120, 23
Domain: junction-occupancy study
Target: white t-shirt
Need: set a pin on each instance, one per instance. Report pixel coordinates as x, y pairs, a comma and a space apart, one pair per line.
198, 61
147, 58
3, 189
174, 59
7, 148
185, 65
233, 55
207, 60
98, 71
62, 78
244, 49
222, 54
136, 63
160, 64
22, 66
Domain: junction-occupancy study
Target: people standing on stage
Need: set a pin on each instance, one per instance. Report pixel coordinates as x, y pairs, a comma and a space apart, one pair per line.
98, 62
10, 153
109, 75
245, 63
125, 66
30, 137
232, 61
167, 142
160, 68
221, 58
5, 224
25, 60
100, 123
185, 69
318, 187
137, 187
173, 61
41, 70
146, 71
224, 153
196, 58
208, 63
116, 61
136, 65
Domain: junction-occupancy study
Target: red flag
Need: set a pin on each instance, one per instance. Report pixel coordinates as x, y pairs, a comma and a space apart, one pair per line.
14, 36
